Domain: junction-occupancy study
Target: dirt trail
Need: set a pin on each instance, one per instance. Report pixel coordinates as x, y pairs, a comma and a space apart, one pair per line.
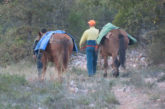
129, 97
78, 85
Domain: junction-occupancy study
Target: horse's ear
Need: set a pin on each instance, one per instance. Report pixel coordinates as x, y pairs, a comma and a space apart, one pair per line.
40, 34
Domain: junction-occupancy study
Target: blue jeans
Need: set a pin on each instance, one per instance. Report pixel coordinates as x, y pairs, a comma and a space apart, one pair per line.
91, 58
39, 62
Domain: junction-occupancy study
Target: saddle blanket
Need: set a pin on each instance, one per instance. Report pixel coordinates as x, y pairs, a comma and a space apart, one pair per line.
108, 27
43, 42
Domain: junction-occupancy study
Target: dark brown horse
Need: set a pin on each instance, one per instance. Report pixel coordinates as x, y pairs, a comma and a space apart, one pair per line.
58, 51
114, 44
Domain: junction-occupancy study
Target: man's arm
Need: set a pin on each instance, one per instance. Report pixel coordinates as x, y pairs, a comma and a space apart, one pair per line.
34, 45
83, 39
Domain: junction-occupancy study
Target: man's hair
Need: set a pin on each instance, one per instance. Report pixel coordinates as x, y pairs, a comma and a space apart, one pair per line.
43, 30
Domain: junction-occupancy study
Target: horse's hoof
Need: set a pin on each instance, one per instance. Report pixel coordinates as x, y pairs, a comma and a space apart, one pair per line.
116, 75
42, 78
105, 75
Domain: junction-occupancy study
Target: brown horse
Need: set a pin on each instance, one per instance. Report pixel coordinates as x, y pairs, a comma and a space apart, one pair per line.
114, 44
58, 51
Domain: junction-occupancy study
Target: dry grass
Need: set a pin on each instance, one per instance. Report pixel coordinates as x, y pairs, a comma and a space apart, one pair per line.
20, 90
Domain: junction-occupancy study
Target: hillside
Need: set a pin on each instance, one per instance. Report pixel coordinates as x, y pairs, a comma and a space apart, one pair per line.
139, 86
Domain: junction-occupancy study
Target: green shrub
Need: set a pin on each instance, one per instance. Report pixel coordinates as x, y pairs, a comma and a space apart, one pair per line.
111, 99
156, 50
15, 45
162, 78
8, 82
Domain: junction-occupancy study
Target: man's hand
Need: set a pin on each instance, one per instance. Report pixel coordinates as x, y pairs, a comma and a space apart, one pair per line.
81, 49
34, 57
96, 48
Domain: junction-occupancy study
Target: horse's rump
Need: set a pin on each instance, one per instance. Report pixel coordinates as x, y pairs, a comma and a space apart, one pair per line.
59, 49
114, 44
112, 38
109, 43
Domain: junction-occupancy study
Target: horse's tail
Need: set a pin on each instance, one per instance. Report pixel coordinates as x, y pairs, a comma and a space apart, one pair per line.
66, 45
122, 51
65, 52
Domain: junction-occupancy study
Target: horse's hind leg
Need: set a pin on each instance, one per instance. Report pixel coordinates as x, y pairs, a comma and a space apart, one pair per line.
105, 65
59, 73
44, 71
116, 65
44, 61
39, 64
58, 65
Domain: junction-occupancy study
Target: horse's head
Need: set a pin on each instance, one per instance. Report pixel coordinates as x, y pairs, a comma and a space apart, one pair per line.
39, 35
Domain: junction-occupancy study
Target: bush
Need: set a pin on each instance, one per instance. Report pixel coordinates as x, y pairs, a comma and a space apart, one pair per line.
15, 45
156, 51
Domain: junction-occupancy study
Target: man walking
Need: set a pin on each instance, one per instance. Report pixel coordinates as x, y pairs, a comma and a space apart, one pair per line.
90, 36
37, 55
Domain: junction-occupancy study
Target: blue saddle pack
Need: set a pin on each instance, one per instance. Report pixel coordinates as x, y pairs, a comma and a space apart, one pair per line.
43, 42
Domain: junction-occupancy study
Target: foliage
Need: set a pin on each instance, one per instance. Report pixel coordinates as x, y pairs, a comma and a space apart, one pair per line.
135, 15
17, 93
7, 82
20, 21
156, 47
